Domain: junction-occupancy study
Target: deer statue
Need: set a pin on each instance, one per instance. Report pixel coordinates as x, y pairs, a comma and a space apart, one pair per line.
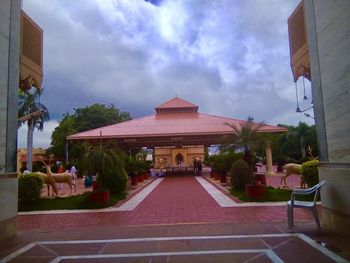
292, 168
59, 177
49, 181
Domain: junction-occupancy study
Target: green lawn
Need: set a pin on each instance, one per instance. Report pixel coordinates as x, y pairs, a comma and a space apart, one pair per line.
271, 195
73, 202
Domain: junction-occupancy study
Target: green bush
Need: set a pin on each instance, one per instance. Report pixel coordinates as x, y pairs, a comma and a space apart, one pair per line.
141, 166
240, 174
230, 158
117, 179
310, 172
223, 161
29, 187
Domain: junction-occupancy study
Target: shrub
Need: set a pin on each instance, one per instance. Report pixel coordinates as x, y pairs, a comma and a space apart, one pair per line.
29, 187
240, 174
310, 172
223, 161
117, 178
230, 158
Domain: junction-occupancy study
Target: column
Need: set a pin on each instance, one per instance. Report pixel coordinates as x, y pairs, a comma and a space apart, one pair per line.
9, 79
268, 151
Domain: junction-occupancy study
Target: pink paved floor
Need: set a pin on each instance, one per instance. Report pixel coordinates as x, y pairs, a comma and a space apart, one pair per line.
174, 200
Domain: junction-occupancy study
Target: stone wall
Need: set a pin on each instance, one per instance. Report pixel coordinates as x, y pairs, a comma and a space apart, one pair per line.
9, 74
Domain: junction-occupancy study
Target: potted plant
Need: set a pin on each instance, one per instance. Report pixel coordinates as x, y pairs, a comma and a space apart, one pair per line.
245, 137
131, 171
217, 166
103, 162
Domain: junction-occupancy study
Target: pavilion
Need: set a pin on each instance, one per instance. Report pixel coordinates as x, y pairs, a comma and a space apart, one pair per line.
177, 132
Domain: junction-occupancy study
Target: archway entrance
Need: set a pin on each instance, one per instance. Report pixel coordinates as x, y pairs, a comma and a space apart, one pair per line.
179, 158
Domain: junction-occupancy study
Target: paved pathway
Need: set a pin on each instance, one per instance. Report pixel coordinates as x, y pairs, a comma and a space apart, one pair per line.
174, 200
177, 221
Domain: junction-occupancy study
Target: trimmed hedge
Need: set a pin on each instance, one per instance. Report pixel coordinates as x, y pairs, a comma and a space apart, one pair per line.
240, 174
29, 187
310, 172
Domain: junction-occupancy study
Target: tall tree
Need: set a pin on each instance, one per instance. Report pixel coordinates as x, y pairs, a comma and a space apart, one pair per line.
32, 111
83, 119
294, 143
246, 136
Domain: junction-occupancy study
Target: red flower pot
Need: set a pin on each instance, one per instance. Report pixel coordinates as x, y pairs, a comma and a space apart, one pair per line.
216, 175
94, 185
133, 180
140, 178
255, 191
212, 174
261, 177
100, 197
223, 178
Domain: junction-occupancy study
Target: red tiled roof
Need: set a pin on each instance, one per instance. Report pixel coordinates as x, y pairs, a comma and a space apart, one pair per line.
165, 124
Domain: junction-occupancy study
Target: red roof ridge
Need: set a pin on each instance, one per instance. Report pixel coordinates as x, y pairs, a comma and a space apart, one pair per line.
177, 103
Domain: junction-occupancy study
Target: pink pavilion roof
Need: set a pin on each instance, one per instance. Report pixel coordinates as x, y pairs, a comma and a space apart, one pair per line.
176, 104
169, 124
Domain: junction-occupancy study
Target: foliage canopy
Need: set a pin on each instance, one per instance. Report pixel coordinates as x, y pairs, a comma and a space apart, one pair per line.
83, 119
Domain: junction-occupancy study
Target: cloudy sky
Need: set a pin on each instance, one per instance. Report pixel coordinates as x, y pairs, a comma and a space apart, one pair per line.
230, 57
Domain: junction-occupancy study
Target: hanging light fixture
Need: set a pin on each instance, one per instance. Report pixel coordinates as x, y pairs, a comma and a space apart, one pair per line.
296, 94
305, 98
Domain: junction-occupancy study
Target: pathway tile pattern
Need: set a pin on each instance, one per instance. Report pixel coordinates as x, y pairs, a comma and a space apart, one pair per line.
174, 200
222, 199
226, 248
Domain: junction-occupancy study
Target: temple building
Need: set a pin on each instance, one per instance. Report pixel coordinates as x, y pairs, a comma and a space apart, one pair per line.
177, 132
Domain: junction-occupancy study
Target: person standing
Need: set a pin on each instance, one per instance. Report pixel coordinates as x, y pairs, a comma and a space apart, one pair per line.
73, 172
199, 167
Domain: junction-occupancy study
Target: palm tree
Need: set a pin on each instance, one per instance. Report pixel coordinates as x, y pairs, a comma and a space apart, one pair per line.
246, 136
32, 111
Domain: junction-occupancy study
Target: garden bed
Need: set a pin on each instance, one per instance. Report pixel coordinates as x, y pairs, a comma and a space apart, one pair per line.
271, 195
71, 202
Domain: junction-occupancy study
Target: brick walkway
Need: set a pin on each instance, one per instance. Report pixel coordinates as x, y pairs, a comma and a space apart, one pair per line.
174, 200
177, 222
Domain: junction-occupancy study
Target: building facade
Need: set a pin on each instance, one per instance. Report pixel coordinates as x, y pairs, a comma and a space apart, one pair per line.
328, 35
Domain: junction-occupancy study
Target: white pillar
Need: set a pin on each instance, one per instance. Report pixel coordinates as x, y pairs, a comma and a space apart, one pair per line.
269, 170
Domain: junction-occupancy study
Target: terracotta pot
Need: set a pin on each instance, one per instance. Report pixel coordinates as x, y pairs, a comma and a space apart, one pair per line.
140, 178
223, 178
260, 177
100, 197
217, 175
94, 185
212, 174
255, 191
133, 180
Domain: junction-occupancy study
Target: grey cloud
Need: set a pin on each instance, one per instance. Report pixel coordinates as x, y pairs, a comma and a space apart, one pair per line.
230, 57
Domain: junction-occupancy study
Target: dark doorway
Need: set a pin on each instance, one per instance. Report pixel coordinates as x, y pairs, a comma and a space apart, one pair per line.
179, 158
